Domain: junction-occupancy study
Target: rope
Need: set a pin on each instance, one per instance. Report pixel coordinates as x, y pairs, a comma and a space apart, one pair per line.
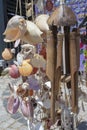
32, 3
18, 3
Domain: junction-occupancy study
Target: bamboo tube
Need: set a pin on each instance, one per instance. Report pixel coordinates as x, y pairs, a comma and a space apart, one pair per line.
50, 56
51, 67
78, 48
74, 71
59, 62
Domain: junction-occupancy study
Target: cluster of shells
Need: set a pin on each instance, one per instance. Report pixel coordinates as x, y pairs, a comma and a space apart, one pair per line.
33, 94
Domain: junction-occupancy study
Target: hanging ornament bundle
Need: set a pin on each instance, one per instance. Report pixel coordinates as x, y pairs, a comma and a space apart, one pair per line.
39, 69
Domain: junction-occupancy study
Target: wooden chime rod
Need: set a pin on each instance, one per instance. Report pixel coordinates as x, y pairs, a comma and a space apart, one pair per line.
74, 71
51, 66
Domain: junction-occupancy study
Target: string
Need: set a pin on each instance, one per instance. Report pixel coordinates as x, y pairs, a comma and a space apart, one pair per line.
20, 7
16, 7
18, 3
26, 2
32, 3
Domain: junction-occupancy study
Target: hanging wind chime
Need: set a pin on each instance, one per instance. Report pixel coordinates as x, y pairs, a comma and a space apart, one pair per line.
42, 85
63, 16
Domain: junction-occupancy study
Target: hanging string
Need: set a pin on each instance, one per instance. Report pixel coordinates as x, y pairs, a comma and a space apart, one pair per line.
26, 2
32, 3
16, 7
20, 7
18, 4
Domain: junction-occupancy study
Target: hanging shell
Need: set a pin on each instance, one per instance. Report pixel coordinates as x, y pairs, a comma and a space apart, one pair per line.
13, 104
14, 72
33, 83
16, 27
19, 28
41, 22
25, 69
38, 61
20, 58
33, 34
27, 109
6, 54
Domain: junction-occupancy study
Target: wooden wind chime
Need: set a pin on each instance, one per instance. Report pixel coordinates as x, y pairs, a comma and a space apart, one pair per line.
57, 44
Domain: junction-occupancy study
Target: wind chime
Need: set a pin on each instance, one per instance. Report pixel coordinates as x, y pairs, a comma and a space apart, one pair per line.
62, 63
63, 57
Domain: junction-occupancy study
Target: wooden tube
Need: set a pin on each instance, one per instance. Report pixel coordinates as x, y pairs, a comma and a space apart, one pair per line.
59, 62
78, 47
50, 69
74, 71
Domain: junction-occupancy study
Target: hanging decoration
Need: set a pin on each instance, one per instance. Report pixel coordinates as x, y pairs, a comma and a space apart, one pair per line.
13, 71
39, 63
25, 69
7, 54
25, 30
41, 22
28, 9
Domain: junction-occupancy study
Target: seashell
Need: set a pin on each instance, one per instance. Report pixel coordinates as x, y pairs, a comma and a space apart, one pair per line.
17, 42
48, 84
25, 30
25, 69
5, 71
14, 72
21, 91
13, 104
20, 58
38, 61
7, 54
41, 22
13, 50
16, 27
33, 34
27, 109
33, 83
